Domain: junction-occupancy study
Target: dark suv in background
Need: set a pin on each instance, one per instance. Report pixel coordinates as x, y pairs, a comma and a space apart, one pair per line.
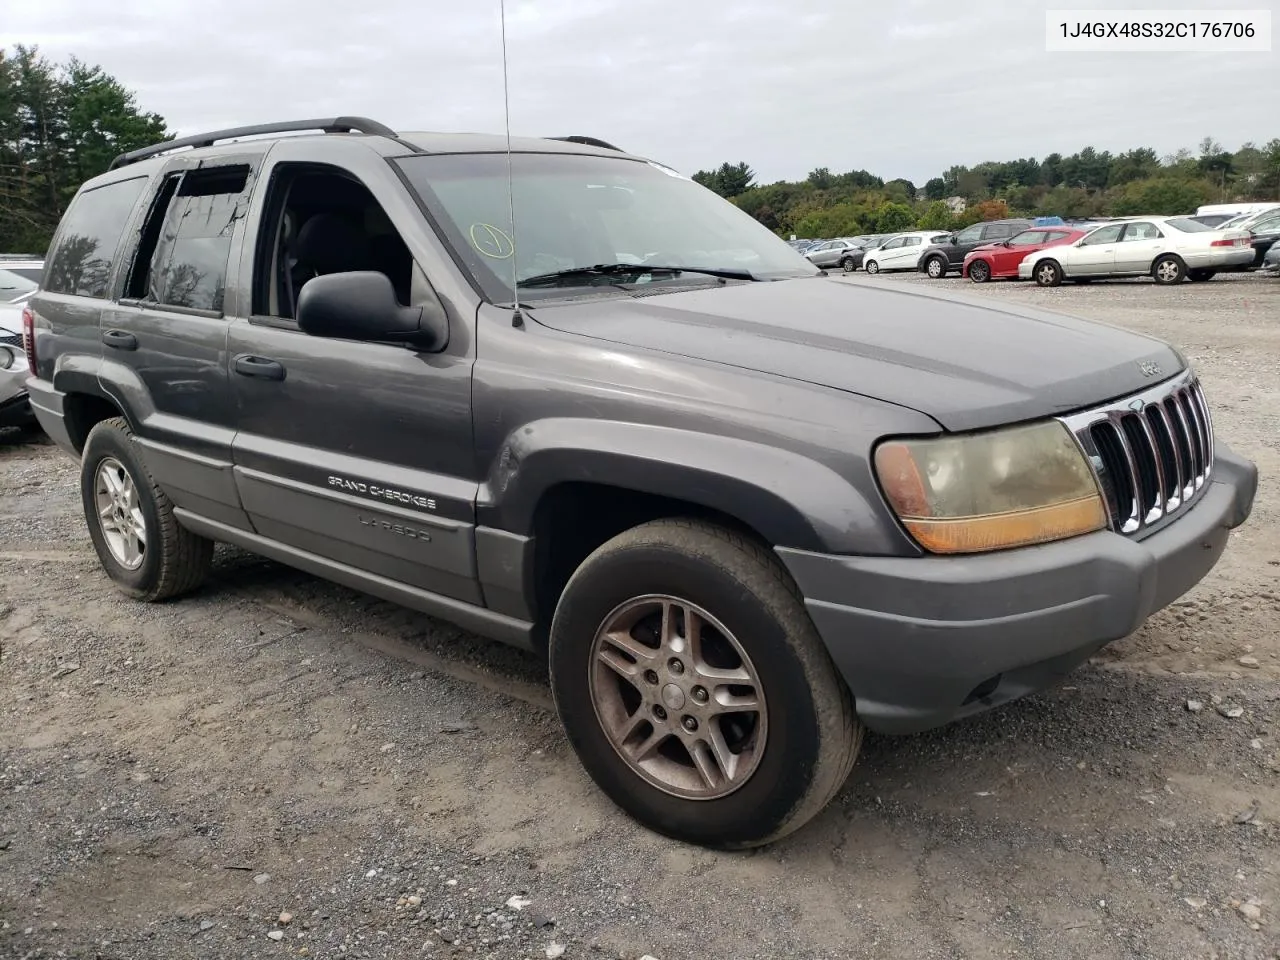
744, 509
942, 258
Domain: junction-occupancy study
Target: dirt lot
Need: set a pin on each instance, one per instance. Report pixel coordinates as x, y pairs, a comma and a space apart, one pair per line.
173, 778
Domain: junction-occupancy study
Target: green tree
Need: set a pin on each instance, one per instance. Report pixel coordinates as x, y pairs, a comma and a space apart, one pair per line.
59, 126
936, 216
935, 189
821, 179
1162, 195
892, 218
735, 178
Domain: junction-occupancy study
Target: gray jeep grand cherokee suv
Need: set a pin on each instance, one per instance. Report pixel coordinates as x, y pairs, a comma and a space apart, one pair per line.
745, 509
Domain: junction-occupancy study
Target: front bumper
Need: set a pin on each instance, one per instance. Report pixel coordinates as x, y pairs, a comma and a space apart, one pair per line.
926, 640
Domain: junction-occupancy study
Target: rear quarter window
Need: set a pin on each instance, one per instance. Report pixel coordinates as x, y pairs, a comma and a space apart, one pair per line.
80, 263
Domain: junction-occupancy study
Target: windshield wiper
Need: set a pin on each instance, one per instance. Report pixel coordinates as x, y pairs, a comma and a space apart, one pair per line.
624, 269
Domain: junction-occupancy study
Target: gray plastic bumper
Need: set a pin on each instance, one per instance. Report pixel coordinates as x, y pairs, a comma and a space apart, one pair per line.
922, 641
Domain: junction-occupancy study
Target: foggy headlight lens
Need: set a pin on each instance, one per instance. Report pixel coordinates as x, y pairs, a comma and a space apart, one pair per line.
991, 491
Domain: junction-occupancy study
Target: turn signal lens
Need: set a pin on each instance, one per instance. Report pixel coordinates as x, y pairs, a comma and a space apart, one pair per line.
991, 491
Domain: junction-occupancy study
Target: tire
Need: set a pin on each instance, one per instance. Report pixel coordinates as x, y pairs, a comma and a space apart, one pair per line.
810, 733
1168, 269
871, 267
1047, 273
172, 560
847, 265
979, 271
1201, 275
935, 268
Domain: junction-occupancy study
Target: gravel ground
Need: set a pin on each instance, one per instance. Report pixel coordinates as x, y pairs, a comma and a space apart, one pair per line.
280, 767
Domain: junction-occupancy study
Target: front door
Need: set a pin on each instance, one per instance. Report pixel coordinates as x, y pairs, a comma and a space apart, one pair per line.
165, 339
1096, 254
359, 453
1005, 259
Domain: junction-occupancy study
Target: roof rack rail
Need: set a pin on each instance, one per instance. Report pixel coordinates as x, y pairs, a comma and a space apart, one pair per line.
330, 125
588, 142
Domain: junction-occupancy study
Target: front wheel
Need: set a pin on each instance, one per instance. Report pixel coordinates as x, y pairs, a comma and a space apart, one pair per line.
131, 523
935, 268
871, 267
1168, 269
847, 265
1201, 275
1047, 274
979, 271
695, 689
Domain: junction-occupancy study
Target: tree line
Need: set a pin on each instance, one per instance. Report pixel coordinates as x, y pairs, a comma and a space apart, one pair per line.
60, 124
1088, 183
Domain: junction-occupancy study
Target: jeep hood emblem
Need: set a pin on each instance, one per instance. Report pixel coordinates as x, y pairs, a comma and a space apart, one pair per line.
1149, 368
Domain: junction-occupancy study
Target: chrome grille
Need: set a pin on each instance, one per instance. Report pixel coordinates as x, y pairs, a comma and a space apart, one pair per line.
1152, 453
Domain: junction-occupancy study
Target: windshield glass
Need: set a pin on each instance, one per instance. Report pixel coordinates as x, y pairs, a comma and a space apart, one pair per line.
576, 211
14, 285
1191, 226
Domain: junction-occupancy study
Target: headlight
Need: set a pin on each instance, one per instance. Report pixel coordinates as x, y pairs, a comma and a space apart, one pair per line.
990, 491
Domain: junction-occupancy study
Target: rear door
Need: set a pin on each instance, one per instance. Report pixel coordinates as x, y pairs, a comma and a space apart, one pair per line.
358, 453
1140, 244
165, 340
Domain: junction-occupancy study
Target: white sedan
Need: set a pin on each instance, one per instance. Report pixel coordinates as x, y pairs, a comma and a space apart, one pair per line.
1168, 249
901, 251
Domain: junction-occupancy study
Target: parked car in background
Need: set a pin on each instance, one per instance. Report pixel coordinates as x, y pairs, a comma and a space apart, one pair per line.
831, 253
19, 279
1169, 249
1263, 236
1236, 208
941, 258
901, 251
999, 261
1271, 262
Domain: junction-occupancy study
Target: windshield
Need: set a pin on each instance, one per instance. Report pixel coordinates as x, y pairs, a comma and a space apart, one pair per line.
1191, 226
14, 285
574, 212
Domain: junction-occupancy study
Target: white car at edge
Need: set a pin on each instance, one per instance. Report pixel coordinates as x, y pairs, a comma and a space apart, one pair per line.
1167, 249
902, 250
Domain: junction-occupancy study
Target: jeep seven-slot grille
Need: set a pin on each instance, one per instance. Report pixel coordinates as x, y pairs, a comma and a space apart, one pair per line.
1152, 453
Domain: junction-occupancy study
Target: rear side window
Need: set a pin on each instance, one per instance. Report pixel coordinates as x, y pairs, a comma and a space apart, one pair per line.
80, 263
186, 242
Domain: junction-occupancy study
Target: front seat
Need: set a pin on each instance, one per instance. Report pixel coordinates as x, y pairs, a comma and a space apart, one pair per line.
328, 243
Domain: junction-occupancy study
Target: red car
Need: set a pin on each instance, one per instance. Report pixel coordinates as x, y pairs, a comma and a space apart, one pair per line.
995, 261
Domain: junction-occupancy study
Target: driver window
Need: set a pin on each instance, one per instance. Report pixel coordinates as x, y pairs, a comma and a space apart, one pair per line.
969, 234
1103, 235
320, 220
1027, 239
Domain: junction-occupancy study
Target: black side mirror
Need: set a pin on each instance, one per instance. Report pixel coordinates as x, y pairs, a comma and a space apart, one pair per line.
362, 305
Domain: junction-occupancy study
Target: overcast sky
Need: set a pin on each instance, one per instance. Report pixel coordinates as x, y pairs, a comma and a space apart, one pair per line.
898, 87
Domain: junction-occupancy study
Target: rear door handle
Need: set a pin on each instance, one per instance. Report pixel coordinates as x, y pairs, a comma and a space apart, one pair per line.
120, 339
263, 368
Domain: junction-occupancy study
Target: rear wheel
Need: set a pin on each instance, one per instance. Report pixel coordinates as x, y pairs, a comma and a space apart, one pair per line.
695, 689
1201, 275
871, 267
140, 543
1168, 269
979, 271
935, 267
1047, 274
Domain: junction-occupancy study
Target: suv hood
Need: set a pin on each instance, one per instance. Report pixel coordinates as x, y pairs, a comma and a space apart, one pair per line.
967, 362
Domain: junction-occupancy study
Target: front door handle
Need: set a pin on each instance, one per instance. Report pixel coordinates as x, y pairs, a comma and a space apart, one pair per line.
120, 339
263, 368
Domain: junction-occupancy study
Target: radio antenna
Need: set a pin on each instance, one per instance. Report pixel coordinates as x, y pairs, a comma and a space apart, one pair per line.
517, 318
